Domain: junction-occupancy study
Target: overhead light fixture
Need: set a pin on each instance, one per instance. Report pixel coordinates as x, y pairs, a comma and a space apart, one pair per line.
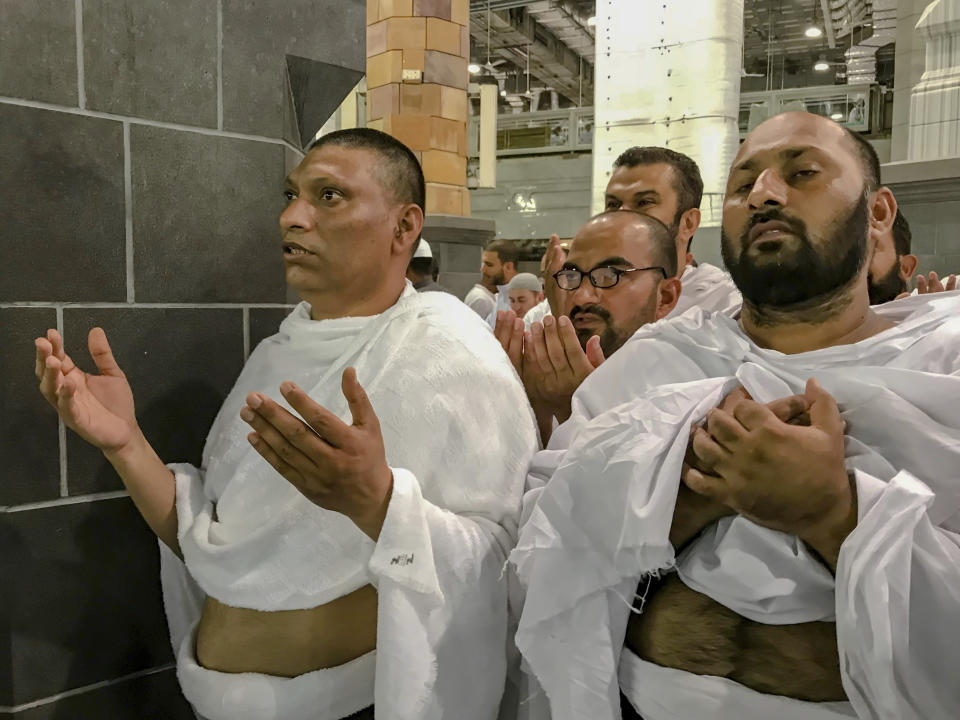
821, 65
503, 93
837, 116
813, 32
592, 20
473, 68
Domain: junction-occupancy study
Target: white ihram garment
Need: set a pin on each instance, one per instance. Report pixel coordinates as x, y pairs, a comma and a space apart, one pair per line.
708, 288
602, 522
458, 433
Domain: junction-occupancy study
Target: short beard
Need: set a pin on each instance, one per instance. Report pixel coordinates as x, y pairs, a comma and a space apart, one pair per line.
809, 283
612, 337
887, 288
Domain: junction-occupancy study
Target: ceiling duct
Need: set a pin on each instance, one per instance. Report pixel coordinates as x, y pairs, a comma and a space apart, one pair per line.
862, 57
565, 22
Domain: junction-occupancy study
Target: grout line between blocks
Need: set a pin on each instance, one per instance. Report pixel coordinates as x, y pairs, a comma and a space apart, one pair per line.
64, 501
81, 81
246, 333
61, 428
7, 100
128, 209
219, 64
85, 689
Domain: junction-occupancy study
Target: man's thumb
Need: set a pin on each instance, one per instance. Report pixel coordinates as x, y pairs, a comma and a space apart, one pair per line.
824, 412
595, 352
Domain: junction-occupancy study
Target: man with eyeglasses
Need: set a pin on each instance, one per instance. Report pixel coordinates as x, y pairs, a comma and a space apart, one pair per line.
756, 519
618, 276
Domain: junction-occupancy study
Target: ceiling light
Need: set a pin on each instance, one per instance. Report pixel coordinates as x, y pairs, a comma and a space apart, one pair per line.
813, 32
592, 20
837, 116
821, 65
473, 68
503, 93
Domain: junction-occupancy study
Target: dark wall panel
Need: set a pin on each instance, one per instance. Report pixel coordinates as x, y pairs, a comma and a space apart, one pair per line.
38, 51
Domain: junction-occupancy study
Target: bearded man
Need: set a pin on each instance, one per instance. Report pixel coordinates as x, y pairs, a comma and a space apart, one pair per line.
780, 494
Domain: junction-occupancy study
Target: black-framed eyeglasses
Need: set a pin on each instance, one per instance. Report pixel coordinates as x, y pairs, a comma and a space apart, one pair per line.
600, 277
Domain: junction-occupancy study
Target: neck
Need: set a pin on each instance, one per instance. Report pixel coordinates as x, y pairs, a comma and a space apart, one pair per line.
843, 318
328, 306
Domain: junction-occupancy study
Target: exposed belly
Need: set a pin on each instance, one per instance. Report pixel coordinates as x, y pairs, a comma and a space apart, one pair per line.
287, 642
682, 629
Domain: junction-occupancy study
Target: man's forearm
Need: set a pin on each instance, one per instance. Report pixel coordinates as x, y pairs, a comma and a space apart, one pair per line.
151, 485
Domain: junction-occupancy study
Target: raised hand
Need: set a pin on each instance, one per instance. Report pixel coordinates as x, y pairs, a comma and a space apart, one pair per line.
99, 408
555, 364
786, 477
552, 263
509, 333
933, 284
337, 466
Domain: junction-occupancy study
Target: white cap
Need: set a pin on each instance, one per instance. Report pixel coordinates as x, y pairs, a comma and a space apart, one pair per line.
525, 281
423, 250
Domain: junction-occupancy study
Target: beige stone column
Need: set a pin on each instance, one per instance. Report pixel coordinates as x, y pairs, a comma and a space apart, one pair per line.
417, 54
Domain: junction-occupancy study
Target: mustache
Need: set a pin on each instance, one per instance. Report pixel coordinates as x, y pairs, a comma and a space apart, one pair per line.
600, 312
796, 225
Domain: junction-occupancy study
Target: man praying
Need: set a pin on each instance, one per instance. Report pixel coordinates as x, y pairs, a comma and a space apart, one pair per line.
343, 541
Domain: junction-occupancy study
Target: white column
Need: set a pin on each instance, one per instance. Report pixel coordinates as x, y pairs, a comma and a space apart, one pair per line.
935, 102
668, 74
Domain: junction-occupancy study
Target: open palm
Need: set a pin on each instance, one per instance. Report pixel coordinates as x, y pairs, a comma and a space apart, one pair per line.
99, 408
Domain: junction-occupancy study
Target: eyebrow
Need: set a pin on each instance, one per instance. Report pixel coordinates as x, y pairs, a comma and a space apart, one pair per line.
786, 154
603, 263
313, 183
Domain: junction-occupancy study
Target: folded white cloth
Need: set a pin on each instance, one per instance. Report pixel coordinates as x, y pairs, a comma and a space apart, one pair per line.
708, 288
458, 433
329, 694
602, 520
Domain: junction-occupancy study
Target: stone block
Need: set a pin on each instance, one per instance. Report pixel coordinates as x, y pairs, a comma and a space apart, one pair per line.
258, 35
383, 101
444, 199
445, 69
412, 130
85, 602
373, 11
447, 135
265, 322
62, 209
223, 242
465, 41
181, 363
460, 11
38, 51
29, 443
466, 205
152, 60
445, 167
376, 38
432, 8
948, 230
395, 8
443, 35
422, 99
453, 104
377, 124
384, 68
406, 32
413, 59
152, 697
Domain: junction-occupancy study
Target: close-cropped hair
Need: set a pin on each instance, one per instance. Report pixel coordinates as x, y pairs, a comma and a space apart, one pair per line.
662, 243
687, 181
506, 251
869, 161
399, 170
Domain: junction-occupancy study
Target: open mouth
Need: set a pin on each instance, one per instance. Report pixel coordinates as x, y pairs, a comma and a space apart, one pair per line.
293, 250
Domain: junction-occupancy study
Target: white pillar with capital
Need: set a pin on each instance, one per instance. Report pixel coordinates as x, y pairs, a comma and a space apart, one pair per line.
935, 101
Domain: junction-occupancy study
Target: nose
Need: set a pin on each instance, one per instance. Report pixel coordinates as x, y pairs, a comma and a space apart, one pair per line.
586, 294
769, 189
296, 216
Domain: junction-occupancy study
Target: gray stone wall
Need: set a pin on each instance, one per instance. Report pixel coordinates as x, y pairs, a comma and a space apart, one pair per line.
142, 151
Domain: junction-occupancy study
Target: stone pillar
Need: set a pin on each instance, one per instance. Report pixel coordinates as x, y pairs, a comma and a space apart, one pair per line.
668, 74
143, 147
909, 64
417, 53
935, 101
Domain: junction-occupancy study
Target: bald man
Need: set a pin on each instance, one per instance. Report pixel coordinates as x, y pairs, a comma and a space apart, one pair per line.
780, 495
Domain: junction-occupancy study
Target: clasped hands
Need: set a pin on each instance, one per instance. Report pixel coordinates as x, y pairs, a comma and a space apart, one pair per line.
337, 466
780, 465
